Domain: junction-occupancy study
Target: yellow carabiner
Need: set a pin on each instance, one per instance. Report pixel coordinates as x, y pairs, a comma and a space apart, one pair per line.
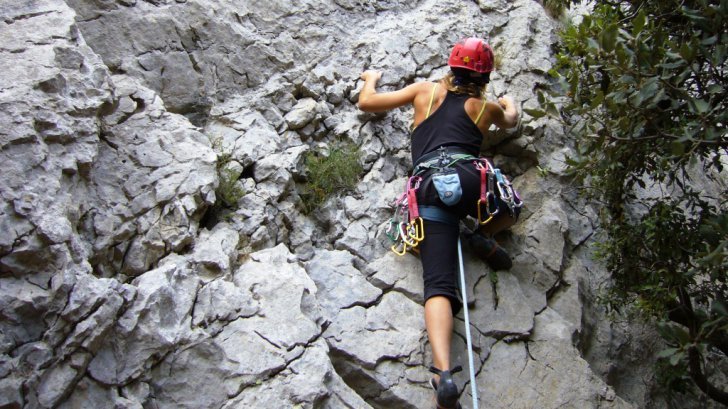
405, 236
480, 218
397, 252
419, 229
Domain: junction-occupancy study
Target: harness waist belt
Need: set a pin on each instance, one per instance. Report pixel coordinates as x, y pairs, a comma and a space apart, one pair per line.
436, 154
437, 214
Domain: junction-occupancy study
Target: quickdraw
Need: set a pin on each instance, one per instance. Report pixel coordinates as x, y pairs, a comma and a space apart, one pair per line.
406, 227
486, 192
415, 228
506, 192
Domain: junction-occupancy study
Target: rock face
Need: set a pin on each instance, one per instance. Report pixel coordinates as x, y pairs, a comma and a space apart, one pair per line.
119, 287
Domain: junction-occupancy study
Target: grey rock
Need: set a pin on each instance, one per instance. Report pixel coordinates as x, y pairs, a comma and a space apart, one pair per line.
339, 284
59, 378
215, 250
502, 310
310, 378
218, 368
90, 393
221, 301
158, 320
11, 392
357, 239
302, 113
396, 336
403, 274
22, 304
286, 294
509, 372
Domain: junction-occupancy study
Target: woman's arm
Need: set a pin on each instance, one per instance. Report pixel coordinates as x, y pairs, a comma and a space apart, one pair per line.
504, 114
371, 101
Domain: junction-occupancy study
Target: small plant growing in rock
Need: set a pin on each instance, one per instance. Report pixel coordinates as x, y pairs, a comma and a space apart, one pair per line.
555, 8
329, 174
498, 52
543, 171
228, 191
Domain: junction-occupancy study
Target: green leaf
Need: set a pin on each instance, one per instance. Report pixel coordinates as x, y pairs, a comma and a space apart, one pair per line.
673, 65
687, 52
699, 106
675, 358
719, 308
627, 79
719, 54
682, 335
535, 113
715, 88
608, 38
695, 16
674, 333
649, 88
710, 40
666, 353
551, 110
596, 100
636, 99
638, 23
592, 44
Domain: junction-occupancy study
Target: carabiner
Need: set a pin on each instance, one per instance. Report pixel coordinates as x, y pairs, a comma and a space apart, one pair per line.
517, 199
391, 230
504, 191
398, 252
479, 164
480, 214
492, 200
404, 235
417, 229
416, 180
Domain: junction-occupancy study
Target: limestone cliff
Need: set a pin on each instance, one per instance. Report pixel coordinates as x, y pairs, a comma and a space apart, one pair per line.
120, 288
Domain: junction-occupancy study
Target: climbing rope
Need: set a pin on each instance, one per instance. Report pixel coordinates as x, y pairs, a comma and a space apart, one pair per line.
468, 338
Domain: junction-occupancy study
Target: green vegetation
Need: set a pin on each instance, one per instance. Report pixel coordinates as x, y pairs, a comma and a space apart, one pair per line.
555, 8
228, 191
326, 175
641, 86
499, 51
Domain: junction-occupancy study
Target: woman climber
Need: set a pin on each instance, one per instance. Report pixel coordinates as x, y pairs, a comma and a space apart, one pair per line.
451, 118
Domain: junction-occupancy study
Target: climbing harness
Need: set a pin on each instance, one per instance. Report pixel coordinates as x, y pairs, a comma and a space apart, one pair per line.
406, 227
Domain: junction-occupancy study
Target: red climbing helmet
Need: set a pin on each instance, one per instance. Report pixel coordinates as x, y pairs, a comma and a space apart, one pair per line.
472, 54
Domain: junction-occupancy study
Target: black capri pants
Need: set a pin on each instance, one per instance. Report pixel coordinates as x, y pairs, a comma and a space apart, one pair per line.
438, 250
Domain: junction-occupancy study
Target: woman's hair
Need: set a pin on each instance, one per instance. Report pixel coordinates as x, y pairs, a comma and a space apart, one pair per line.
463, 84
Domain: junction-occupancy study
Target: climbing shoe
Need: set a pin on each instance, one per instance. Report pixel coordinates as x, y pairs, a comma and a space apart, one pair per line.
489, 251
446, 390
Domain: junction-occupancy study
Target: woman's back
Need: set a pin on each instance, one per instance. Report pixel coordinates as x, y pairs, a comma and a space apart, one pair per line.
448, 125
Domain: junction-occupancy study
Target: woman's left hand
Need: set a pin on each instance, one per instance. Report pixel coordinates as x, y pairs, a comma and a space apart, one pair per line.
371, 75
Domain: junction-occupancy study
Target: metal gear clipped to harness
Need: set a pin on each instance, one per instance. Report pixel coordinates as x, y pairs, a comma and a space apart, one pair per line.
406, 228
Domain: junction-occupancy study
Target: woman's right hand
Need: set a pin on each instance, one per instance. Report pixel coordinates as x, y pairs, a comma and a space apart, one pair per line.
505, 101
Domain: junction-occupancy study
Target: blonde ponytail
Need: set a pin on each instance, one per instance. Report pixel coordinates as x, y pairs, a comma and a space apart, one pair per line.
470, 89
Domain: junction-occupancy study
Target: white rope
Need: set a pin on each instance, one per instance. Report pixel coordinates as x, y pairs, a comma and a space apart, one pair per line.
463, 293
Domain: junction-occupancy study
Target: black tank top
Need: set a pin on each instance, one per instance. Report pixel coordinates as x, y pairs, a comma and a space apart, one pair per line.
449, 125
